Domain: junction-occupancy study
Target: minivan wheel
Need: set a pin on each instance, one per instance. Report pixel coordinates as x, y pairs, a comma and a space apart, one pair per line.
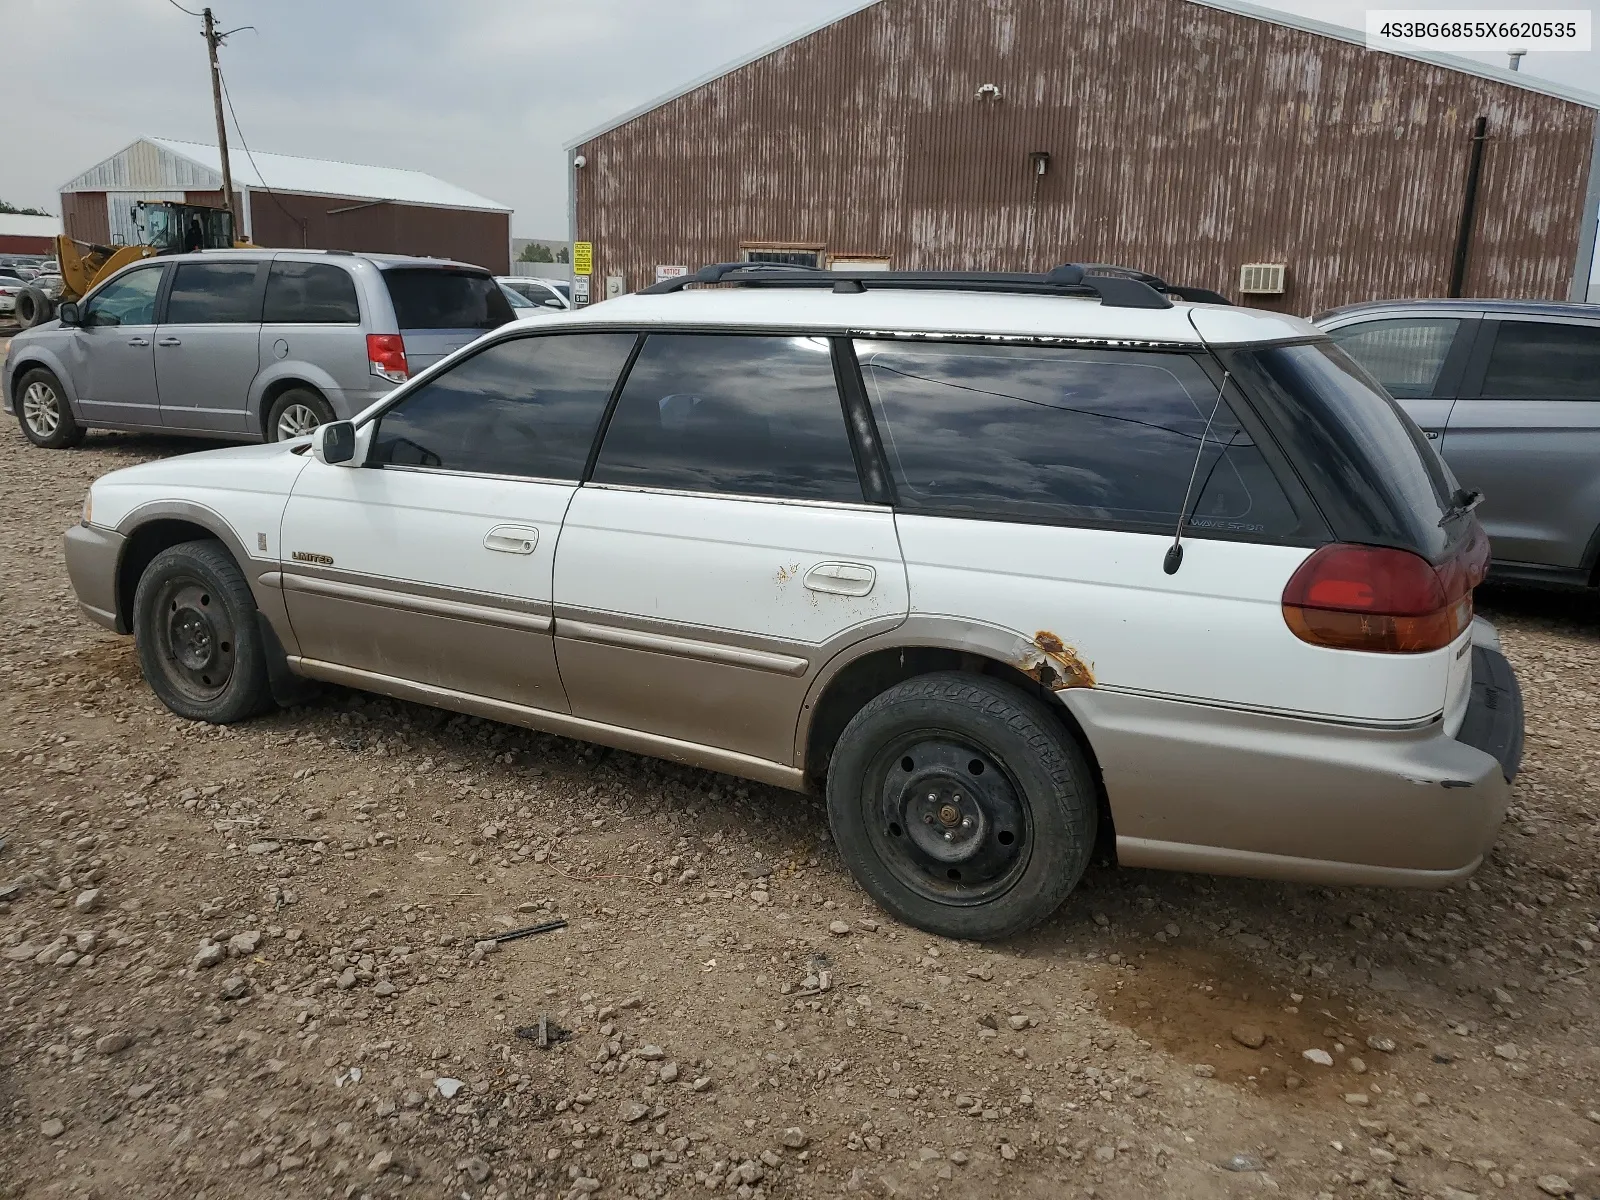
296, 413
962, 805
44, 413
194, 626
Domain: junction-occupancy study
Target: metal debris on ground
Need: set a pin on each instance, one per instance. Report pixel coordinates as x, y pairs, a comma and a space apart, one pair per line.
546, 1033
512, 935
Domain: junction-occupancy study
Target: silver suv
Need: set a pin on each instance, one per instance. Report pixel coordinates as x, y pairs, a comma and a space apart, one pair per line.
248, 345
1509, 393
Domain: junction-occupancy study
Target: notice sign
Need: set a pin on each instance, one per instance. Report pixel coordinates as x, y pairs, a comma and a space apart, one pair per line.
580, 291
670, 273
583, 258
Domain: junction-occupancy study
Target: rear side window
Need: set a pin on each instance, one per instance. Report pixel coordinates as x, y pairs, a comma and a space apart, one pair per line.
439, 298
214, 294
1538, 360
1405, 356
753, 416
528, 407
1066, 436
301, 293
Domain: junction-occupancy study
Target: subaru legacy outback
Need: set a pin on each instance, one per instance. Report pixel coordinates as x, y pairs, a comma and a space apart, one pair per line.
1006, 565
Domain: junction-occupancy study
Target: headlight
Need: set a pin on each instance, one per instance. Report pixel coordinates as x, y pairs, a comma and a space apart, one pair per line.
87, 516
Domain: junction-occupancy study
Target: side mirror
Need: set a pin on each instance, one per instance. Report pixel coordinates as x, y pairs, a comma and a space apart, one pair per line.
552, 302
334, 443
69, 313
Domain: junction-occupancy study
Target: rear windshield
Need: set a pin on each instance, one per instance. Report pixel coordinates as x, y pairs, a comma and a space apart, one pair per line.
1368, 457
438, 298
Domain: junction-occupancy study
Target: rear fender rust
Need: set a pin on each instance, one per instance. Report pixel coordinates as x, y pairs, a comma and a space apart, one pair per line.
1051, 663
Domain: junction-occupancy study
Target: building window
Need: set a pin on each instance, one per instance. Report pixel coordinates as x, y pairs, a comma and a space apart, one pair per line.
793, 256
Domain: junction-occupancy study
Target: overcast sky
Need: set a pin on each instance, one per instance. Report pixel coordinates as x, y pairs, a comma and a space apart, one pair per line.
482, 93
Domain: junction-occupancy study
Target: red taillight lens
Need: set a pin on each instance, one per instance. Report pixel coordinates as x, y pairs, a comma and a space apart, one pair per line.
1383, 600
386, 356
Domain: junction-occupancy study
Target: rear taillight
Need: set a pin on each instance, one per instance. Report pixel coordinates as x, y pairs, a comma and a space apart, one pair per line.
386, 357
1384, 600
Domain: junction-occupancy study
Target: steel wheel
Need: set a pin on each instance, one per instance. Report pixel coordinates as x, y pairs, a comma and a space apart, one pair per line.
952, 825
41, 409
196, 638
296, 421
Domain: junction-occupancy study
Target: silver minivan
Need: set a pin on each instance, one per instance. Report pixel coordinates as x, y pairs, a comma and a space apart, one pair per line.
247, 345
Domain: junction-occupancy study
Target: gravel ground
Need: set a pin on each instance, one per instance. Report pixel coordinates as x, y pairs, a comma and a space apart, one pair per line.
247, 962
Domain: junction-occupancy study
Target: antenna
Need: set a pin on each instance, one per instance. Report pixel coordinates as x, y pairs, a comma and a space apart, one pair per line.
1174, 557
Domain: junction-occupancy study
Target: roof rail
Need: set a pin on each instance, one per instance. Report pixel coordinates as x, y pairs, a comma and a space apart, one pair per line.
1117, 287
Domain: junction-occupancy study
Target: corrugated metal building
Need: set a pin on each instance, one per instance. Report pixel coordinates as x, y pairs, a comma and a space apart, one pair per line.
1185, 137
288, 201
22, 234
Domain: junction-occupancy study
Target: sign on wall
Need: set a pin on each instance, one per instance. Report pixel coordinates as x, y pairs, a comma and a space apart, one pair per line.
675, 272
580, 290
583, 258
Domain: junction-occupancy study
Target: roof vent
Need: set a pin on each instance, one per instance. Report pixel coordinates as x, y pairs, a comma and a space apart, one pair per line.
1262, 279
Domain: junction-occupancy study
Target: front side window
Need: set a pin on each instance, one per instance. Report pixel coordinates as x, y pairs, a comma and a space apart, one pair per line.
1066, 436
214, 294
1404, 355
1541, 360
302, 293
127, 300
528, 407
747, 415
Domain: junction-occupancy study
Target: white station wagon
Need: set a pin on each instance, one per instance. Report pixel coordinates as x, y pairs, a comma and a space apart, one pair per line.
1009, 565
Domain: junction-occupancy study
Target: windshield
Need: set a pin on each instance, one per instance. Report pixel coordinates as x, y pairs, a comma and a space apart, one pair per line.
516, 299
444, 298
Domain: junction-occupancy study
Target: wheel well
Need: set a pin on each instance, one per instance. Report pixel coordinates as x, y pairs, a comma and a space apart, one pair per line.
277, 388
144, 544
875, 673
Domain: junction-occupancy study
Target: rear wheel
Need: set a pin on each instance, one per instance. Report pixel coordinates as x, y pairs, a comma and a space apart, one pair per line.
44, 413
962, 805
194, 625
296, 413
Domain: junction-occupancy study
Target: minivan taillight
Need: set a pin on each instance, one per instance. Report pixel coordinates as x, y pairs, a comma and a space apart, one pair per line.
1384, 600
386, 357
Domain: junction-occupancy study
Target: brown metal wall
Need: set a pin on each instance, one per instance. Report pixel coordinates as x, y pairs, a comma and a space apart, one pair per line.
289, 219
1183, 140
84, 217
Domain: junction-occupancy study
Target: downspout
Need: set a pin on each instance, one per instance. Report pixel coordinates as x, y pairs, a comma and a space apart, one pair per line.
572, 211
1469, 207
1583, 268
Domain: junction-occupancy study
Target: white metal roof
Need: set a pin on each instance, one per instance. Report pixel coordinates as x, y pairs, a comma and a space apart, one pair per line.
15, 225
196, 166
955, 313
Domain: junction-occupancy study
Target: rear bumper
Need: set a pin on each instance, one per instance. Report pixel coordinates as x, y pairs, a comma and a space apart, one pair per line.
1197, 788
92, 556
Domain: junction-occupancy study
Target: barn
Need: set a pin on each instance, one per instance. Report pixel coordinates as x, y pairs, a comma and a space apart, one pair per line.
297, 202
21, 233
1269, 157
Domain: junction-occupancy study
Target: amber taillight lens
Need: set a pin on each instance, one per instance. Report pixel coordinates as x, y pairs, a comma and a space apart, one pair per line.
1384, 600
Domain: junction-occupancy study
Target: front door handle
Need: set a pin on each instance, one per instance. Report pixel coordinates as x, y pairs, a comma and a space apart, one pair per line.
168, 341
511, 539
841, 578
138, 341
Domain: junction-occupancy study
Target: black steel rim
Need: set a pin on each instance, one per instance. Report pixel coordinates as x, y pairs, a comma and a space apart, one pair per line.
195, 637
947, 818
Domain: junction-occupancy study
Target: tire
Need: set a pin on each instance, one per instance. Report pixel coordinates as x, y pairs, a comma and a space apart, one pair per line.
33, 308
44, 413
289, 413
195, 628
947, 753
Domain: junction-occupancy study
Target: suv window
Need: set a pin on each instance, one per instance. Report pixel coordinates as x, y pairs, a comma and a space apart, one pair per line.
127, 300
302, 293
1060, 435
752, 415
1405, 355
214, 294
1540, 360
527, 407
443, 298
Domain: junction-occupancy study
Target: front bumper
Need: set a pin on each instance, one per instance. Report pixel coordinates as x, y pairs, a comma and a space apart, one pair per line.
1198, 788
92, 557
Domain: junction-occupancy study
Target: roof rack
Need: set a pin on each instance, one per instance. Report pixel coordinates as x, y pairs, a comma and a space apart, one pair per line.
1117, 287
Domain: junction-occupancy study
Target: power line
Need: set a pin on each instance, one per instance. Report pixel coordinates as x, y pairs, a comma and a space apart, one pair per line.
182, 9
239, 129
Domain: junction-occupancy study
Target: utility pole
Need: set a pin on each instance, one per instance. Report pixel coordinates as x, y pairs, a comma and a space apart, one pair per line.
213, 39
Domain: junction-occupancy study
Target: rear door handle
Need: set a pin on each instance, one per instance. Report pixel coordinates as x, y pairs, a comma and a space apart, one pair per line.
138, 341
168, 341
511, 539
841, 578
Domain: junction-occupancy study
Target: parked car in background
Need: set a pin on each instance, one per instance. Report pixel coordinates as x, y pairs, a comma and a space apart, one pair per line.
10, 285
931, 571
522, 308
253, 345
1509, 393
555, 294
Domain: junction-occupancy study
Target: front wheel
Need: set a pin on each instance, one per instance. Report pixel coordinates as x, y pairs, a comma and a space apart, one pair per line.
44, 412
962, 805
194, 625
